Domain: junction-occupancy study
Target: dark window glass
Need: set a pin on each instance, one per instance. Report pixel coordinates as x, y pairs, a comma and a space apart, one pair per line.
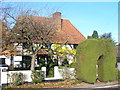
2, 61
75, 46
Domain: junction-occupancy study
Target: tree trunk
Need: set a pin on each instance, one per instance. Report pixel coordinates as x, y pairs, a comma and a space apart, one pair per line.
33, 63
11, 61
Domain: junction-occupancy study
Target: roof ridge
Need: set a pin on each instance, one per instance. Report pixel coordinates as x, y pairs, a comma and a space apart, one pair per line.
68, 31
34, 16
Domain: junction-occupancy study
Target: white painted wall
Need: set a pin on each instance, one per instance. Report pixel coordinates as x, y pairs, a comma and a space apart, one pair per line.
3, 75
58, 73
7, 60
2, 56
25, 72
17, 58
118, 64
5, 80
44, 70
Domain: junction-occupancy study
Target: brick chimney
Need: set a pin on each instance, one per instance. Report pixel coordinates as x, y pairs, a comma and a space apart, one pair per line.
57, 19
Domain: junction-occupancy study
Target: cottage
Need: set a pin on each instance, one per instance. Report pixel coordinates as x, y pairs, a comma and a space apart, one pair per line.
66, 34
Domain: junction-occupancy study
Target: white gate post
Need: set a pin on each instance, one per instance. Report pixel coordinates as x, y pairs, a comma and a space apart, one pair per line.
3, 75
56, 73
44, 70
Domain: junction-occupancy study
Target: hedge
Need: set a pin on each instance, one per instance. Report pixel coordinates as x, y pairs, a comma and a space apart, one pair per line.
92, 52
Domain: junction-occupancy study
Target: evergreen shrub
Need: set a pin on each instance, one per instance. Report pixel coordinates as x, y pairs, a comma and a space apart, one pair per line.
37, 76
93, 53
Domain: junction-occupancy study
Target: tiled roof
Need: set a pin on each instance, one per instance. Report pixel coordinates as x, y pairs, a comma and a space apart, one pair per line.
42, 52
67, 33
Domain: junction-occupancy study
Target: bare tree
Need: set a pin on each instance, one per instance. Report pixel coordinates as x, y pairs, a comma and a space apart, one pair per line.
30, 30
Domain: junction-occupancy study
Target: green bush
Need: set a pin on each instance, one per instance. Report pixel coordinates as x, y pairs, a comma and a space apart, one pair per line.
119, 75
65, 62
16, 78
72, 65
50, 72
92, 52
60, 67
41, 63
37, 76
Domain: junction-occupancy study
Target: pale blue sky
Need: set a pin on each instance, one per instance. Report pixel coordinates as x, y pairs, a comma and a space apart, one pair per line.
87, 16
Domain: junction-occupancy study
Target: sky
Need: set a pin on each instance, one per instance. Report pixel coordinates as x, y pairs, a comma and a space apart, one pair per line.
86, 16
